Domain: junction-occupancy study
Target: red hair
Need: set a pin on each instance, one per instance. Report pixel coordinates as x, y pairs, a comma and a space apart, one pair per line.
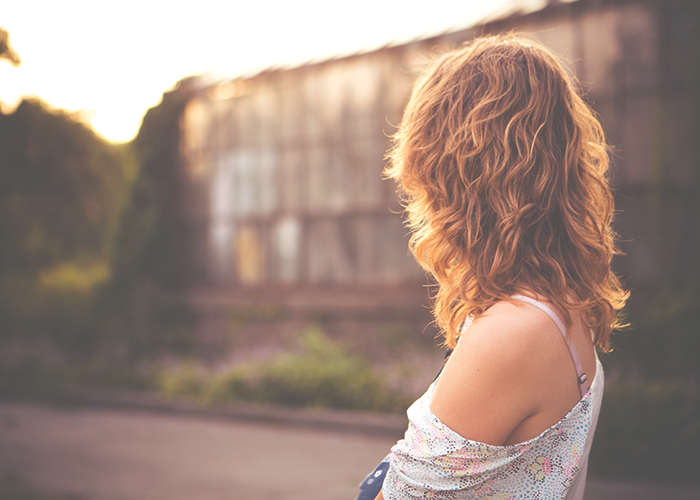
502, 170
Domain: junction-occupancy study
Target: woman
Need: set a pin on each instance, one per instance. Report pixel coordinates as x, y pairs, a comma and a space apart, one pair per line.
502, 167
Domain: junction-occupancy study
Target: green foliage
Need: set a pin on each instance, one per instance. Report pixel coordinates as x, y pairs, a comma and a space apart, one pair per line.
60, 195
91, 256
60, 187
662, 343
648, 432
650, 420
320, 373
150, 242
86, 262
188, 379
141, 308
38, 370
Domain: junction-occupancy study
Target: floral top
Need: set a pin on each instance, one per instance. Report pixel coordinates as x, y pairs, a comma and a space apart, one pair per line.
434, 462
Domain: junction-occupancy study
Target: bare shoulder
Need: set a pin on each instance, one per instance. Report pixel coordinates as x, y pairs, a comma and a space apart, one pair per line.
511, 338
484, 392
511, 329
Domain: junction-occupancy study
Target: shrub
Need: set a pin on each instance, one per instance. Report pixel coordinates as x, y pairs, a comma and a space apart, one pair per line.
323, 375
649, 432
320, 373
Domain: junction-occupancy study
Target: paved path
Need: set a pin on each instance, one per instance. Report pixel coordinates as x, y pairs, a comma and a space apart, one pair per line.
104, 454
108, 454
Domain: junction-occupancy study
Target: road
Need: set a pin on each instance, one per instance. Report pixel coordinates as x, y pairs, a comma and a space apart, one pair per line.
112, 454
106, 454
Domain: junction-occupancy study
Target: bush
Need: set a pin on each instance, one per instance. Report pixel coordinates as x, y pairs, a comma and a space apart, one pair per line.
648, 432
649, 424
321, 373
141, 309
662, 343
60, 197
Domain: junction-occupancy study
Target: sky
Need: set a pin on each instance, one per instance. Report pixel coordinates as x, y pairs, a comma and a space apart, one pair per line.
108, 62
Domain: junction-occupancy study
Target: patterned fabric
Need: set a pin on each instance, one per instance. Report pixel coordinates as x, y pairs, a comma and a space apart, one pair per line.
434, 462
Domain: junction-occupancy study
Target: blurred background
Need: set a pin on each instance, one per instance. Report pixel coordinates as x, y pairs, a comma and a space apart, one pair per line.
237, 243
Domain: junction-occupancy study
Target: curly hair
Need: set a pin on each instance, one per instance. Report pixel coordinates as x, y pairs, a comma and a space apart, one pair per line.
501, 167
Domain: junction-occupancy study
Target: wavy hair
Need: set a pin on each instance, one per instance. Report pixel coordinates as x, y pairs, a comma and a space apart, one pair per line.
501, 167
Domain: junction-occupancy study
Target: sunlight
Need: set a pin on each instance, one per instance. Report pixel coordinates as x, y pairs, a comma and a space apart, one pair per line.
116, 60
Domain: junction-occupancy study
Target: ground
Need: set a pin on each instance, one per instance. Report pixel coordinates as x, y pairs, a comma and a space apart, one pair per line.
112, 454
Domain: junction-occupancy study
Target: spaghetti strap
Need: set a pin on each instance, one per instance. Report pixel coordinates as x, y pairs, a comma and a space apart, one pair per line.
582, 378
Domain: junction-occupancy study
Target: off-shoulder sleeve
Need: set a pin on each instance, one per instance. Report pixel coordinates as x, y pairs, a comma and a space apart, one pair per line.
434, 462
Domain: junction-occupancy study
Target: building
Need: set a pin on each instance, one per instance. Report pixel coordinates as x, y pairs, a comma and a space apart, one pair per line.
285, 203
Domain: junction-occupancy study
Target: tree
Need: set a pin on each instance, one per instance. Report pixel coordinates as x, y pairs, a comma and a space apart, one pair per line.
60, 193
6, 50
141, 308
